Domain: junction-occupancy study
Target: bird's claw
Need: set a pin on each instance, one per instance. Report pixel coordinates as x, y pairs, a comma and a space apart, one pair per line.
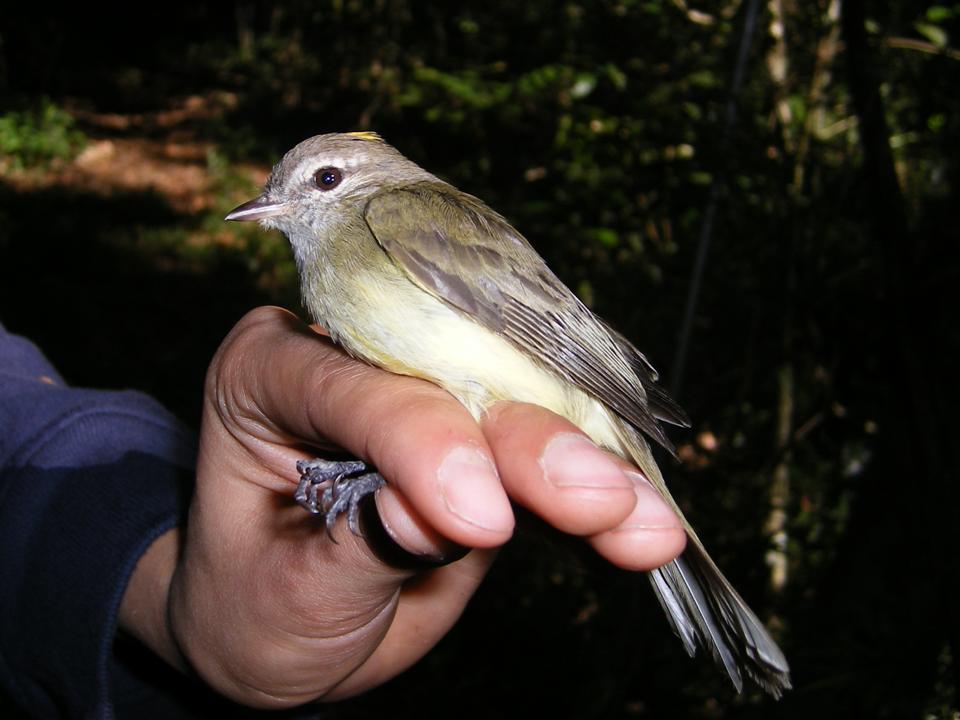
331, 488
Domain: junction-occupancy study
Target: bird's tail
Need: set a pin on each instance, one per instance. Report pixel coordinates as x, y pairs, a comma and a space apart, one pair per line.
703, 608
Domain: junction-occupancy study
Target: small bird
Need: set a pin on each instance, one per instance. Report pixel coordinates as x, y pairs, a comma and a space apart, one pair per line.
383, 246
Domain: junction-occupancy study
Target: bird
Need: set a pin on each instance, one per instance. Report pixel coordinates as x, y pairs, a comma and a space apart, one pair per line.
383, 246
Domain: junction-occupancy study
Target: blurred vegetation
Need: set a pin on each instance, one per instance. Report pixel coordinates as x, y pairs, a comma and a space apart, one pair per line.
38, 136
822, 465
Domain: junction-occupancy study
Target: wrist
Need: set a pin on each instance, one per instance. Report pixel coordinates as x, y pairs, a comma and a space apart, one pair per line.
144, 610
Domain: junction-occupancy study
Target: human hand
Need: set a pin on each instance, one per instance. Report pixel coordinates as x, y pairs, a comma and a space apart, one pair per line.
267, 609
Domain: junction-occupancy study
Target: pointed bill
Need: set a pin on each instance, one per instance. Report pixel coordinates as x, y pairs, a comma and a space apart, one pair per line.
257, 209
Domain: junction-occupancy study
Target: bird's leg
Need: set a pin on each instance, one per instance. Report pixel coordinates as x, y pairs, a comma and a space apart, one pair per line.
344, 484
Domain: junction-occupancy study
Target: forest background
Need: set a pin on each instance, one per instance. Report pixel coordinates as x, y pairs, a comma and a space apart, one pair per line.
762, 195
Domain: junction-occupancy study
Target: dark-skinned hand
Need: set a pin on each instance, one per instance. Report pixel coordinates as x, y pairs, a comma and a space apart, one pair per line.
255, 597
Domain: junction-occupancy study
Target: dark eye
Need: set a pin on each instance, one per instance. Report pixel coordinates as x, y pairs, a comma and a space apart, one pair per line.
328, 178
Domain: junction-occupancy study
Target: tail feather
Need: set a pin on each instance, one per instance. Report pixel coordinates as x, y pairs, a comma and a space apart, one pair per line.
703, 608
692, 611
674, 607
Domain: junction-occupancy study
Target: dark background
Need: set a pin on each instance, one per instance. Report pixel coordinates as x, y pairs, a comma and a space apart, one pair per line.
821, 467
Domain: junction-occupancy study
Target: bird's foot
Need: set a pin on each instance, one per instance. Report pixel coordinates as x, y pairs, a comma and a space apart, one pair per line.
332, 488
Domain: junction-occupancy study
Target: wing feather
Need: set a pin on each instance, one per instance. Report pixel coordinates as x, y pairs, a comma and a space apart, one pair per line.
461, 251
660, 404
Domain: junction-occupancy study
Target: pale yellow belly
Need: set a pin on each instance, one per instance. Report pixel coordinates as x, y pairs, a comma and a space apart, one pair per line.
403, 329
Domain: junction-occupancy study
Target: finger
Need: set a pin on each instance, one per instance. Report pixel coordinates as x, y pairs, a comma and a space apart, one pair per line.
407, 528
548, 465
552, 468
297, 386
651, 535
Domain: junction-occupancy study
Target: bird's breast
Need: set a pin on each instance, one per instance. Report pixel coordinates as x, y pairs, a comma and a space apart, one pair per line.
379, 315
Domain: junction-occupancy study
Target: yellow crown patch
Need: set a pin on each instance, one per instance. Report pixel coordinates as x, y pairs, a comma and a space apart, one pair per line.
367, 135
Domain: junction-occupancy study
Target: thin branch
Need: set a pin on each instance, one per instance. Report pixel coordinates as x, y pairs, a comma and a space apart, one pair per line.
902, 43
694, 16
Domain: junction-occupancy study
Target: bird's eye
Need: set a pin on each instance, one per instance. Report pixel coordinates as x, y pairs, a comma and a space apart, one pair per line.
328, 178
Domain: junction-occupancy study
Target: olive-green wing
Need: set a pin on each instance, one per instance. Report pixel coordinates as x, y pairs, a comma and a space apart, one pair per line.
458, 249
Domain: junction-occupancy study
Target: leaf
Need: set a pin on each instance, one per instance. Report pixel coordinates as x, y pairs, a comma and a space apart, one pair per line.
584, 85
607, 237
935, 34
617, 76
703, 79
939, 13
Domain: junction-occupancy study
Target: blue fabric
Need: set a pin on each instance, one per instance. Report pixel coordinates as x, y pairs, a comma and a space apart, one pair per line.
88, 479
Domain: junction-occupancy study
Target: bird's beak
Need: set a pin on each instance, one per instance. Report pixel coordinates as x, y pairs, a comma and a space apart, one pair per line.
257, 209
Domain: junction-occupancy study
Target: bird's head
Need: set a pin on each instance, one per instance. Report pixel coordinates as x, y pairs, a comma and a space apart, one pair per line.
326, 180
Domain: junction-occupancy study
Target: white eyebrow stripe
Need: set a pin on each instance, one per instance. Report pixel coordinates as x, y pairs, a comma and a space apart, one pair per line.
309, 167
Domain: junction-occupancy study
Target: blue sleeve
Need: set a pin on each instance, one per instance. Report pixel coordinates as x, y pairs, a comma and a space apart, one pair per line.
88, 479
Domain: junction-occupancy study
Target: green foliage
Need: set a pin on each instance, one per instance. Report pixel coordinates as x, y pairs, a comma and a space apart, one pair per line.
38, 136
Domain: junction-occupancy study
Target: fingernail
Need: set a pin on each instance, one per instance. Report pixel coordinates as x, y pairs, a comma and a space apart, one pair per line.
471, 490
651, 511
572, 460
404, 528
